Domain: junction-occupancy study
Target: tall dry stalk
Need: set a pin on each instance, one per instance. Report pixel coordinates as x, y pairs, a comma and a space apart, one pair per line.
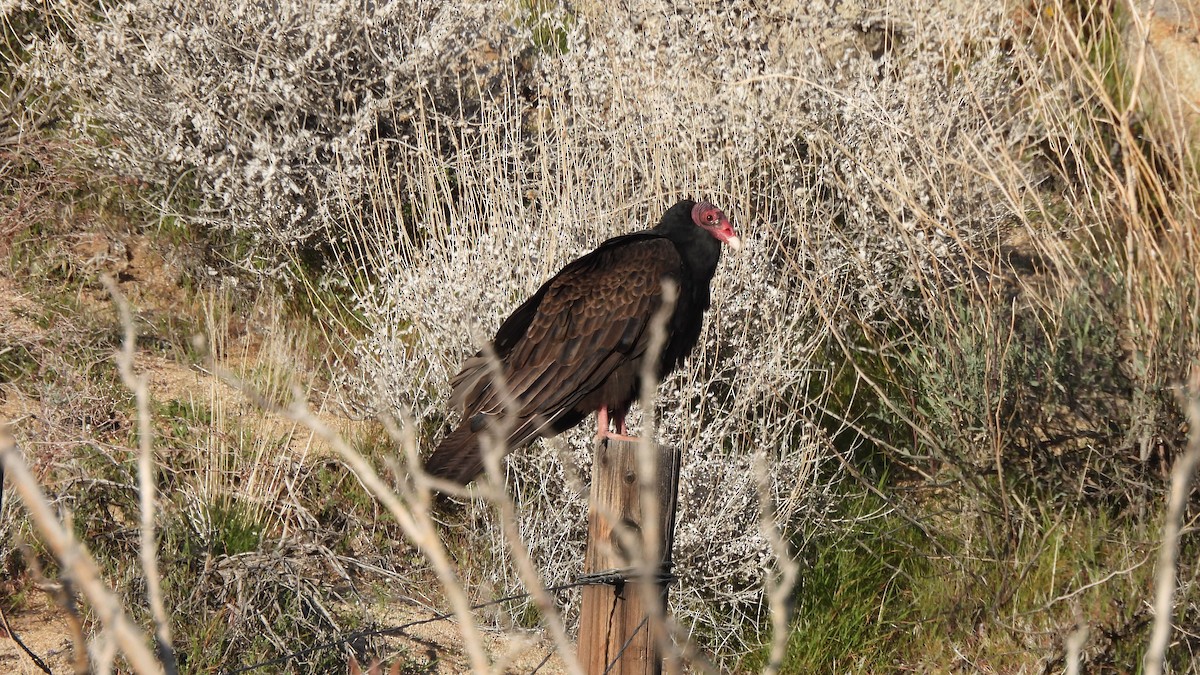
1177, 500
147, 477
76, 560
782, 583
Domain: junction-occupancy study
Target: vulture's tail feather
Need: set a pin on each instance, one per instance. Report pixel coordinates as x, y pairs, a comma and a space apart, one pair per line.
458, 457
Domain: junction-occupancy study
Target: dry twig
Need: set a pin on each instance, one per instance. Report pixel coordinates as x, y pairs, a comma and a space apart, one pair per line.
1164, 589
75, 559
146, 480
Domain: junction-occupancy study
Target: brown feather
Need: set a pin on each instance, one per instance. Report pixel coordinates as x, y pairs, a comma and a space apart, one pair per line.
457, 458
583, 326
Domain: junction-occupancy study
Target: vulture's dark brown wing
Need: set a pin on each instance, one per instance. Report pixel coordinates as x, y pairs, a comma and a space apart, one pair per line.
581, 325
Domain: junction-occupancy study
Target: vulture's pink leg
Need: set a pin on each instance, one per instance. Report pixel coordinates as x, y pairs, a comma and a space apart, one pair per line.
619, 419
601, 423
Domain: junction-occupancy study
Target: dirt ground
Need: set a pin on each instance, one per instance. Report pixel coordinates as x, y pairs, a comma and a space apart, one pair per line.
43, 628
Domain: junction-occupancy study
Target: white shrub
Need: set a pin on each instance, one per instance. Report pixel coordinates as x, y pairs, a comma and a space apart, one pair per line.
265, 114
479, 256
873, 119
847, 173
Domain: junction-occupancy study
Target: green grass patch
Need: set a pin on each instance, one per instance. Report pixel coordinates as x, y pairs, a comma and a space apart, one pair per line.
879, 592
853, 602
17, 361
548, 31
234, 528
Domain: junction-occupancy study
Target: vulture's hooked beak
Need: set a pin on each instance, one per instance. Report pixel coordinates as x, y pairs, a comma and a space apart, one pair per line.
728, 235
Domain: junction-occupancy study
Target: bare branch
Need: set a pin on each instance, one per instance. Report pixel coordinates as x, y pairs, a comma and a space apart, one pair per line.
75, 558
146, 480
781, 584
1164, 589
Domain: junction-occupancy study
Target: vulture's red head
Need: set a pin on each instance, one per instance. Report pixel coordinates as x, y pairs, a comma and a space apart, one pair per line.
713, 220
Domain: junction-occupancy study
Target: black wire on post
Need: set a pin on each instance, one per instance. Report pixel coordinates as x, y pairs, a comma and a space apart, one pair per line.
544, 661
612, 664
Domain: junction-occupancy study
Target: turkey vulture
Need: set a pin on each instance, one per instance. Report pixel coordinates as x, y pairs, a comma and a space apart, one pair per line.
578, 343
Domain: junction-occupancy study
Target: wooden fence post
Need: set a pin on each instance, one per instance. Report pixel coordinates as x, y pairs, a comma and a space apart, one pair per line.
615, 635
